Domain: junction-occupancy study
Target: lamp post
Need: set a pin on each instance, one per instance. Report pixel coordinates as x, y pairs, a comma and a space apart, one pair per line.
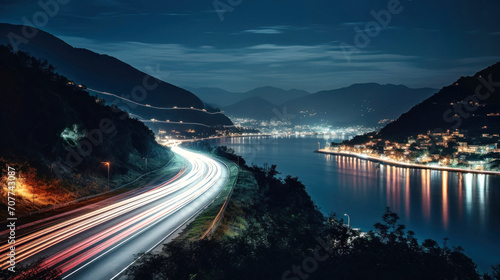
108, 164
348, 220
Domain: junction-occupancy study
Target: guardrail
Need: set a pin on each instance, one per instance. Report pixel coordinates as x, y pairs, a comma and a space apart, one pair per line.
220, 215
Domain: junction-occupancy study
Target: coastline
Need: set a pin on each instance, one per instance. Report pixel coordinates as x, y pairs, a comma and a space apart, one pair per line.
406, 165
178, 141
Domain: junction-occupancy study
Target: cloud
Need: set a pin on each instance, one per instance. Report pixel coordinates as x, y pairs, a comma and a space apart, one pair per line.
173, 14
371, 30
264, 31
353, 23
308, 66
276, 29
363, 28
105, 3
109, 15
425, 29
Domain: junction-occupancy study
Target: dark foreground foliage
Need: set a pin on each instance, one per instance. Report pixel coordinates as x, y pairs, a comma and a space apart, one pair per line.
31, 272
287, 238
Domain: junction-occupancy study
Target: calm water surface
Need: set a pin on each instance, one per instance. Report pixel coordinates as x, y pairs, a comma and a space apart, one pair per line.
435, 204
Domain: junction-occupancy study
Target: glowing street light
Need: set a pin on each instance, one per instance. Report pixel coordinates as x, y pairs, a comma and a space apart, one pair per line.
108, 164
348, 220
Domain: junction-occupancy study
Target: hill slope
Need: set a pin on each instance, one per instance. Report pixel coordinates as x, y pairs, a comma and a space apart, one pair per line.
58, 135
224, 98
255, 107
217, 96
108, 74
471, 103
365, 104
276, 95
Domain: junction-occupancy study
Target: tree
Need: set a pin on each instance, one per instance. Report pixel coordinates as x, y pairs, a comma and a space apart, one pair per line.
32, 271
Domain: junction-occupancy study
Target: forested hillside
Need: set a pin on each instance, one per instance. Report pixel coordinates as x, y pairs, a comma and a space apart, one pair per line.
57, 135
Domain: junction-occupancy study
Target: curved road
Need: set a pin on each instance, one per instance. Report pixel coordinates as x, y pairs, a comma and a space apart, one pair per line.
102, 243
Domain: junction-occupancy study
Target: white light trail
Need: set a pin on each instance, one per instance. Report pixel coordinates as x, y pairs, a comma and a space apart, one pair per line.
84, 248
155, 107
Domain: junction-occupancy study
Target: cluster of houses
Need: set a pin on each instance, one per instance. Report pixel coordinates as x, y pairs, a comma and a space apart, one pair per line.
450, 148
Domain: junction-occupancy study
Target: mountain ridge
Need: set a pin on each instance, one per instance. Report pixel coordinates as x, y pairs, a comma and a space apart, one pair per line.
460, 105
255, 106
364, 104
109, 74
360, 104
225, 98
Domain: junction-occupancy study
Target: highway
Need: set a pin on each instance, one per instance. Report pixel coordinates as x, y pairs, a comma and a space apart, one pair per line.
101, 241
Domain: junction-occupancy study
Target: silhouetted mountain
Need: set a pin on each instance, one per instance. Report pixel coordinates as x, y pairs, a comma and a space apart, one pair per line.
471, 103
217, 96
108, 74
277, 95
365, 104
224, 98
254, 107
59, 129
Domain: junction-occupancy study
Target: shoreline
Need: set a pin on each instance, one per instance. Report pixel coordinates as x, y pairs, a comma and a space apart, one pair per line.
177, 141
406, 165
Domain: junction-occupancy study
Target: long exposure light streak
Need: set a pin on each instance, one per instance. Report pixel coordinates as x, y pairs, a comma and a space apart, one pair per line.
155, 107
119, 222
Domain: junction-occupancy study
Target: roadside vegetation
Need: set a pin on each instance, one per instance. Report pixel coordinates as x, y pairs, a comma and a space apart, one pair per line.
273, 230
196, 229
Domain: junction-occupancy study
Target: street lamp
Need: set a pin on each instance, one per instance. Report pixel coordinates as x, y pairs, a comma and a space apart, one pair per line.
146, 159
108, 164
348, 220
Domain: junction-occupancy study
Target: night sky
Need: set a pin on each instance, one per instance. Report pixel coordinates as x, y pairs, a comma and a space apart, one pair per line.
282, 43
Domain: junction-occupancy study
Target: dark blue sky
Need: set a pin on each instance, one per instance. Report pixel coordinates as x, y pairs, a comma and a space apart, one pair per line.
284, 43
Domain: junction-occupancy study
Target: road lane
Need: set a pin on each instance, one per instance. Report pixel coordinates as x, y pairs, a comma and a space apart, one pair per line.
101, 243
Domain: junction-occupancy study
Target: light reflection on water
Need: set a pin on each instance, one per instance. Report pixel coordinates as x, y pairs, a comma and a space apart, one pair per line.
434, 204
444, 184
406, 190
